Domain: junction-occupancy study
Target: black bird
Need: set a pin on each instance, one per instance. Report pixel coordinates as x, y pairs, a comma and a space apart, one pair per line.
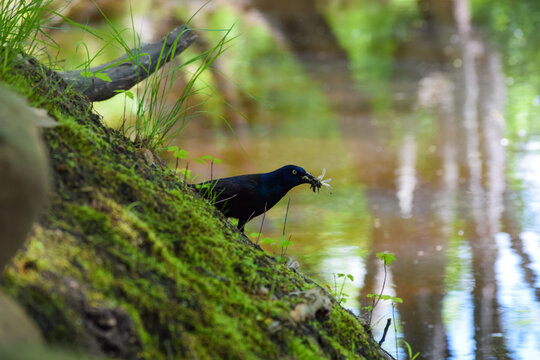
246, 196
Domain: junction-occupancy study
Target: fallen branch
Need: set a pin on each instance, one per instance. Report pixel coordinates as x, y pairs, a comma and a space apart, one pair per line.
129, 69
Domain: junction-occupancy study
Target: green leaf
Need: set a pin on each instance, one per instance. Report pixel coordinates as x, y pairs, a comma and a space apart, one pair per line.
397, 300
340, 275
172, 148
217, 161
409, 349
387, 257
268, 241
103, 77
181, 154
201, 161
254, 234
286, 244
207, 157
350, 277
129, 94
186, 173
87, 74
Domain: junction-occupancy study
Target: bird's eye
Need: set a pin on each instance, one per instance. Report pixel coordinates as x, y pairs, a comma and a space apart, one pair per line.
294, 172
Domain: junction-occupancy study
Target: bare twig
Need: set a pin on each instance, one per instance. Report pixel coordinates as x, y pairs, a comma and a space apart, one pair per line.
229, 198
285, 225
186, 171
262, 223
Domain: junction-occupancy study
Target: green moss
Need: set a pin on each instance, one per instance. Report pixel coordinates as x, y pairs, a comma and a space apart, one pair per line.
128, 263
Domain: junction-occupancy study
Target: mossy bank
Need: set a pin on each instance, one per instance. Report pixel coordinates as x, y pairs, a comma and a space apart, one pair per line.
125, 262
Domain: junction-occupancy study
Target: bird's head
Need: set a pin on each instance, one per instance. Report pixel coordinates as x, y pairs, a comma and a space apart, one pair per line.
293, 175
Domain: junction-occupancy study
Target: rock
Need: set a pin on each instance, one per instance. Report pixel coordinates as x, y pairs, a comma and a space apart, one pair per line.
23, 169
15, 326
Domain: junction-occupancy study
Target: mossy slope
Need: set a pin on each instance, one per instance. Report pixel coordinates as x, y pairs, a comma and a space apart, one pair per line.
127, 263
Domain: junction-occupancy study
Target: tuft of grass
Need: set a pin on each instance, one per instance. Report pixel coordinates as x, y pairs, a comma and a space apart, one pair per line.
21, 30
157, 121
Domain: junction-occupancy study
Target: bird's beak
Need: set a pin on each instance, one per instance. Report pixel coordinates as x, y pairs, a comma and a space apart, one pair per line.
308, 179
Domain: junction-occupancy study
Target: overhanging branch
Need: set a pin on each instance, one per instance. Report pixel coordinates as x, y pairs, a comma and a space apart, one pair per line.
130, 69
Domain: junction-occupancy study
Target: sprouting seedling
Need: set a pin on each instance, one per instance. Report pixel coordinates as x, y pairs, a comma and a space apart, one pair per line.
387, 258
178, 154
212, 160
336, 291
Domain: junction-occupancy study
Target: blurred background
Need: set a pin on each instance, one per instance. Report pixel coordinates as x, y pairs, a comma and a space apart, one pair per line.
423, 112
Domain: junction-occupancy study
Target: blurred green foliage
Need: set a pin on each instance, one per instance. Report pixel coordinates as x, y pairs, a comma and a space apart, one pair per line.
513, 26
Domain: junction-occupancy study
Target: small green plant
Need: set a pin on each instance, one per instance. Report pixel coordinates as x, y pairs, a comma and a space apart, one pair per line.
178, 153
182, 154
265, 240
339, 295
377, 297
387, 258
272, 242
186, 174
203, 160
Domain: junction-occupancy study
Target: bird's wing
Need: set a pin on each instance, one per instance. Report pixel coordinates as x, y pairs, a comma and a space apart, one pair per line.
228, 188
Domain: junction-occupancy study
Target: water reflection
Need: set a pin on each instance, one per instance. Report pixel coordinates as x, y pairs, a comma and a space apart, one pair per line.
520, 310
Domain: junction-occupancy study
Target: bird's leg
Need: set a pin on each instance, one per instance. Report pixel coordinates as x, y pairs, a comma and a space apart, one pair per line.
242, 224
